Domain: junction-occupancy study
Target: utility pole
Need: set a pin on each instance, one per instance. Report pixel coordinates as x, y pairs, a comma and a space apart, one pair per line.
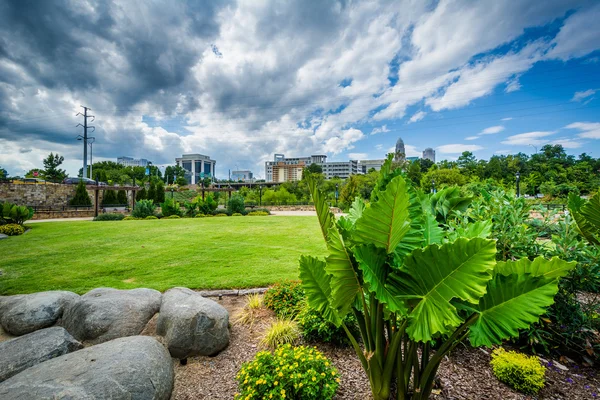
85, 136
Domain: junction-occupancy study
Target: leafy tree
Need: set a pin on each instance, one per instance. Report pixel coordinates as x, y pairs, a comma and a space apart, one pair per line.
314, 169
152, 192
467, 163
160, 192
141, 194
236, 204
442, 177
3, 173
81, 198
410, 289
32, 173
109, 198
122, 197
414, 173
425, 164
51, 171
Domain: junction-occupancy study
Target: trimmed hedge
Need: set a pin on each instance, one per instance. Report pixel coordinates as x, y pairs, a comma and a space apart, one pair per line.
109, 217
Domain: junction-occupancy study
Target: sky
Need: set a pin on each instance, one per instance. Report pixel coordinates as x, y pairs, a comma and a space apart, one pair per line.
242, 80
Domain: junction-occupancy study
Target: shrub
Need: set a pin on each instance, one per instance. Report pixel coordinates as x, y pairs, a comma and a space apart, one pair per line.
236, 204
286, 298
151, 217
237, 215
258, 213
13, 214
221, 215
291, 373
160, 192
141, 194
122, 197
109, 217
143, 209
12, 229
152, 192
315, 328
109, 198
130, 218
251, 311
172, 217
171, 207
82, 198
281, 331
200, 216
519, 371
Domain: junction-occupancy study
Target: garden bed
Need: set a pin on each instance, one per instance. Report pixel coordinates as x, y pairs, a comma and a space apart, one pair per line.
466, 374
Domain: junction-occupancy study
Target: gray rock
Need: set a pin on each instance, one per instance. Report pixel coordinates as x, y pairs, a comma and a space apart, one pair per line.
191, 324
28, 350
132, 368
104, 314
3, 236
23, 314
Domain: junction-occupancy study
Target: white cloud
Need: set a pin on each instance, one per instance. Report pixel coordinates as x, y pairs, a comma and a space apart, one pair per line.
492, 130
525, 139
378, 147
588, 130
586, 95
579, 35
513, 85
458, 148
417, 117
358, 156
343, 140
381, 129
507, 119
568, 143
472, 138
502, 152
411, 151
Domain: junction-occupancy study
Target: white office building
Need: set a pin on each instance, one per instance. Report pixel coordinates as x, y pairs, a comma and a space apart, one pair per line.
132, 162
242, 175
197, 167
364, 166
429, 154
283, 169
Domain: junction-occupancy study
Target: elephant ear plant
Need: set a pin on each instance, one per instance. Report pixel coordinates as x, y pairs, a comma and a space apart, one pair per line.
415, 293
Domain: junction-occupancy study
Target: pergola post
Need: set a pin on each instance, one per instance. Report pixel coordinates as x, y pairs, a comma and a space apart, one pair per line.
96, 195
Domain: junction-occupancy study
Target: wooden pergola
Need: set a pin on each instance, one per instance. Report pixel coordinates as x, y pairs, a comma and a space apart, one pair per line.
98, 188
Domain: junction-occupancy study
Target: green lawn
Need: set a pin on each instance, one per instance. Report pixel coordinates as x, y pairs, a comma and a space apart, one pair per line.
201, 253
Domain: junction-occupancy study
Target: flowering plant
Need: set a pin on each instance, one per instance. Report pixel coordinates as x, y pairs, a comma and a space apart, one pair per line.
288, 373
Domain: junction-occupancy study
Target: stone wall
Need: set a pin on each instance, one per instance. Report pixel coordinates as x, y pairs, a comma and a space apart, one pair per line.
63, 214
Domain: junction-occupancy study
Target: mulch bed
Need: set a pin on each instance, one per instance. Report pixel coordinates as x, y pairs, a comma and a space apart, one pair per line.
465, 374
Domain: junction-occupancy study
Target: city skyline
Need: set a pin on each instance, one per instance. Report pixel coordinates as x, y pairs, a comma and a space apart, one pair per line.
344, 80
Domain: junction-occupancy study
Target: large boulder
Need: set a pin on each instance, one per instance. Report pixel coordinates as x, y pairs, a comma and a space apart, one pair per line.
191, 324
28, 350
132, 368
23, 314
104, 314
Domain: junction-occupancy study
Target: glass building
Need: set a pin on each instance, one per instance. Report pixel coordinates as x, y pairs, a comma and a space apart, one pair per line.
197, 167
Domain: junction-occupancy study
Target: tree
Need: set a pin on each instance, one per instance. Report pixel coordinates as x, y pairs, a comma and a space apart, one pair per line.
414, 173
314, 169
35, 173
51, 171
152, 191
109, 198
467, 163
141, 194
425, 164
409, 288
122, 197
3, 173
160, 193
82, 198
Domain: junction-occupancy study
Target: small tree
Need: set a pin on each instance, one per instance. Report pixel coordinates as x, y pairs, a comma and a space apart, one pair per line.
82, 198
109, 198
160, 193
141, 194
51, 170
143, 209
121, 197
236, 204
152, 192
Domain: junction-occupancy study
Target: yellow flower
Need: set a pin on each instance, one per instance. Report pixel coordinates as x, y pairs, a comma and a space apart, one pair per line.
276, 383
271, 396
327, 364
314, 379
281, 374
246, 381
333, 373
300, 385
337, 380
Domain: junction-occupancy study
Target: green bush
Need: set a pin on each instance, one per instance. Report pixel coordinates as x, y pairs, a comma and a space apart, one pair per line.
12, 229
82, 198
221, 215
171, 207
143, 209
237, 215
236, 204
151, 217
286, 298
519, 371
172, 217
288, 373
13, 214
315, 328
160, 192
258, 213
109, 217
131, 218
122, 197
141, 194
200, 216
109, 198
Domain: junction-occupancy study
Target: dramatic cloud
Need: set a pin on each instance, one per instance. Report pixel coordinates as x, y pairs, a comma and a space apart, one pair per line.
580, 35
417, 117
589, 130
457, 148
528, 138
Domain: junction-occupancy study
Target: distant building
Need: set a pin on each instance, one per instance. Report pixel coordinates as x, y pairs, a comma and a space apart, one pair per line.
412, 159
400, 154
197, 167
429, 154
364, 166
283, 169
243, 175
132, 162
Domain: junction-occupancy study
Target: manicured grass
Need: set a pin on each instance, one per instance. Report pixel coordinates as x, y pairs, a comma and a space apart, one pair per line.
200, 253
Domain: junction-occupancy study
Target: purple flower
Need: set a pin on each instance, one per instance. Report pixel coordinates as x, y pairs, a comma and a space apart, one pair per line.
569, 380
587, 386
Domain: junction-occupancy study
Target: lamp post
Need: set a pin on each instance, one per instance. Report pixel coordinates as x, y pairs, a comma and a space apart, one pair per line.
518, 180
336, 194
433, 186
172, 190
91, 141
260, 195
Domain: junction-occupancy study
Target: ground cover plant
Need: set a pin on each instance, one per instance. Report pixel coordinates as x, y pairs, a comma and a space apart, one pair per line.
414, 293
199, 253
523, 373
109, 217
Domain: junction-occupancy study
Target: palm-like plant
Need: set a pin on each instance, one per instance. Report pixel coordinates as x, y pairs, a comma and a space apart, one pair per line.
587, 216
415, 293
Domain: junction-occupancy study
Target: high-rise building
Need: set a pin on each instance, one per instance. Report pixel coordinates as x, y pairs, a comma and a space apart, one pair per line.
283, 169
243, 175
197, 167
400, 154
132, 162
364, 166
429, 154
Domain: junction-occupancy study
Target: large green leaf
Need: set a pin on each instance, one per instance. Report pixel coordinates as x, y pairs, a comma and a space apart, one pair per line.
516, 297
480, 229
344, 281
435, 275
586, 216
372, 263
433, 234
317, 286
326, 218
448, 201
348, 223
386, 222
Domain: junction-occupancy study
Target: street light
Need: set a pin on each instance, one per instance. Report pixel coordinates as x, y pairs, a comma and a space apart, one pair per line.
172, 189
336, 194
91, 141
260, 195
518, 180
433, 186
